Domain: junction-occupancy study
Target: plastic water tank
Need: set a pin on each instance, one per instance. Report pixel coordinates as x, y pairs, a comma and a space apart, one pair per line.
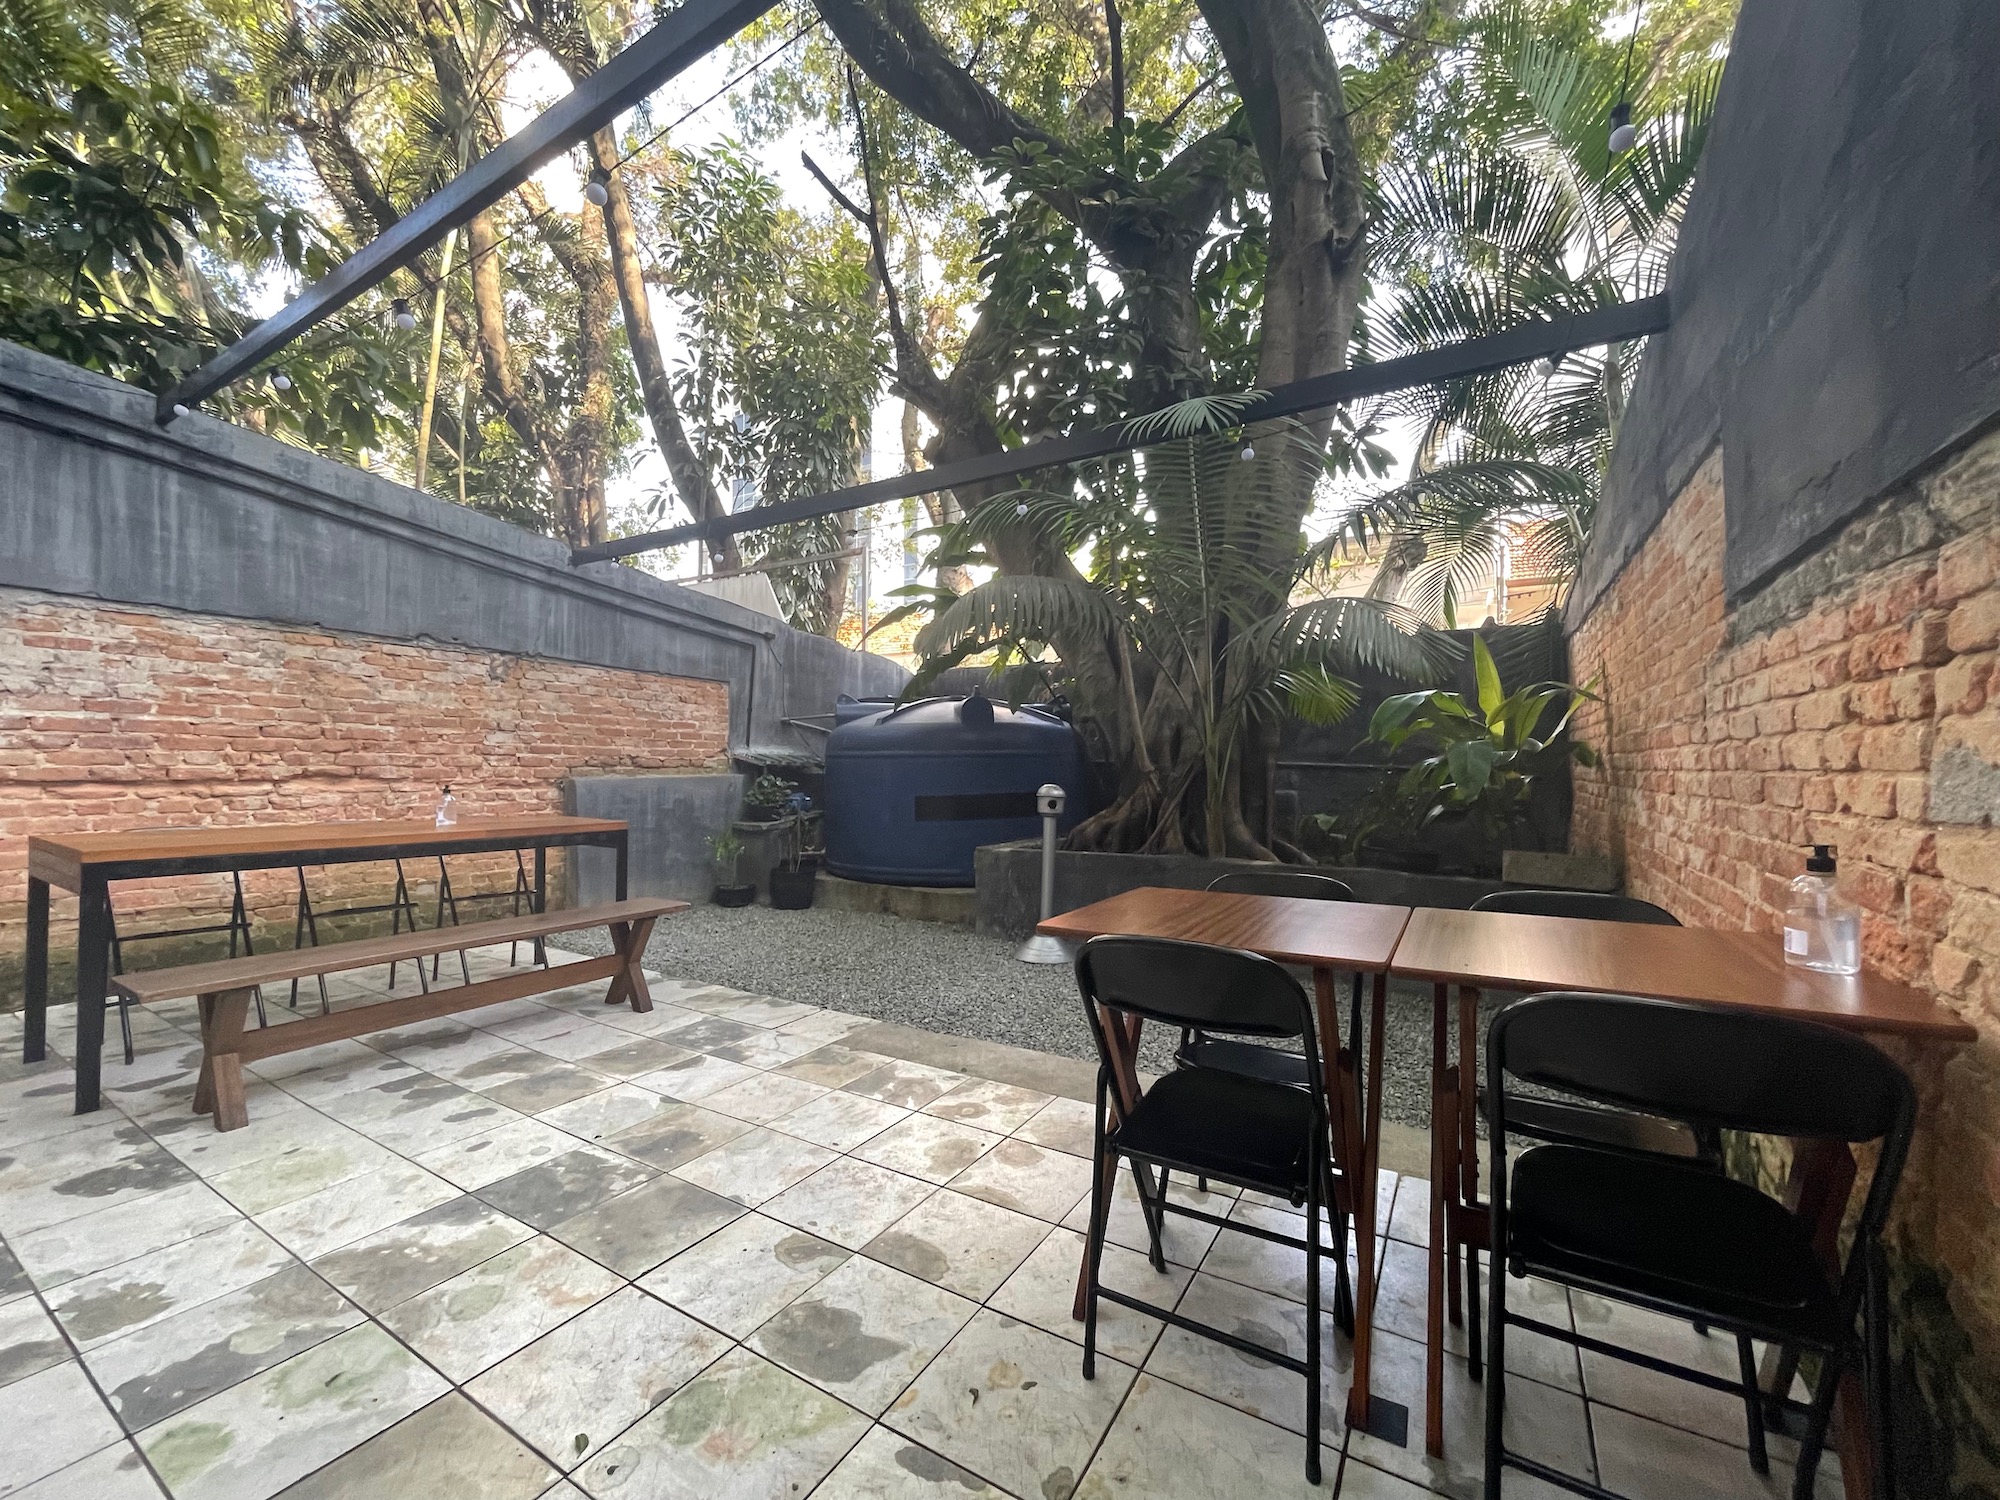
912, 791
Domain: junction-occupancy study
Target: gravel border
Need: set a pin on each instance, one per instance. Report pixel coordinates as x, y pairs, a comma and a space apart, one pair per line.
947, 978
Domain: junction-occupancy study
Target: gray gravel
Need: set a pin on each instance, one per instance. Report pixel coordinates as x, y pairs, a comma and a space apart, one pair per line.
948, 978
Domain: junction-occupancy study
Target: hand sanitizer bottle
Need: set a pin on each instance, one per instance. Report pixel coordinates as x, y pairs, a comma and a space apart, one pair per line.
447, 810
1822, 927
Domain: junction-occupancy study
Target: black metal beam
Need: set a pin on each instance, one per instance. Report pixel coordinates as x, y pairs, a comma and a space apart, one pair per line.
1495, 351
674, 43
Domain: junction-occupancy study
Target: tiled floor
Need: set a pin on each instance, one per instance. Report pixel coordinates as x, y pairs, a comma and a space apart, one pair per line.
553, 1249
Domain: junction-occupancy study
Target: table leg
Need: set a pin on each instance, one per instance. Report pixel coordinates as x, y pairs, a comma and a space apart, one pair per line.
1817, 1188
541, 899
1444, 1120
1349, 1153
1361, 1413
1468, 1164
93, 979
35, 1029
624, 862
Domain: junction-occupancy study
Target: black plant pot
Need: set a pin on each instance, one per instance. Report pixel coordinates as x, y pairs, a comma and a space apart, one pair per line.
733, 895
792, 890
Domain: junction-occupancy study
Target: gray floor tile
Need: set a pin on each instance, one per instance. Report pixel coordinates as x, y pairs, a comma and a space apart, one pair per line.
170, 1365
449, 1450
742, 1275
635, 1231
574, 1390
568, 1184
394, 1264
53, 1420
676, 1135
480, 1316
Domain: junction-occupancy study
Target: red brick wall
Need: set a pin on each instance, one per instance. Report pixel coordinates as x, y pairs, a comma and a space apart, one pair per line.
1852, 700
112, 716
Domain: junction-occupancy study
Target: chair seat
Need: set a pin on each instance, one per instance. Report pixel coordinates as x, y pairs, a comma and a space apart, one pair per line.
1245, 1059
1587, 1124
1223, 1125
1669, 1233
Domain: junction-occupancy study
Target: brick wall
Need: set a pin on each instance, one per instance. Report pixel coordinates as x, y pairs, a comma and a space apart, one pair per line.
116, 715
1851, 700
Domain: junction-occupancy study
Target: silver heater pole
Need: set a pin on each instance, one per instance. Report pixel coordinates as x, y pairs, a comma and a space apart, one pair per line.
1039, 949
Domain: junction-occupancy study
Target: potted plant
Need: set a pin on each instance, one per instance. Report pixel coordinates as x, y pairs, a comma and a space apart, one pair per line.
769, 799
793, 880
724, 849
1486, 753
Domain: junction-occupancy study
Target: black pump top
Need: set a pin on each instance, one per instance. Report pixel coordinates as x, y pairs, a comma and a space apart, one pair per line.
1820, 862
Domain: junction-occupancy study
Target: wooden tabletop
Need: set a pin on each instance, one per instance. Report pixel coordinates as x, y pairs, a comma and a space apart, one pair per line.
1332, 934
58, 859
1502, 950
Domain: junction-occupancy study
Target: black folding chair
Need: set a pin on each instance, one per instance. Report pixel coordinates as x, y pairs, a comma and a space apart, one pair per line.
1249, 1132
237, 926
1679, 1240
1584, 1124
305, 928
520, 896
1198, 1050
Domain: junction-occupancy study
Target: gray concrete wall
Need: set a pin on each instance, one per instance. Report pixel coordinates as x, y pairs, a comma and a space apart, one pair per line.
671, 817
203, 516
1837, 283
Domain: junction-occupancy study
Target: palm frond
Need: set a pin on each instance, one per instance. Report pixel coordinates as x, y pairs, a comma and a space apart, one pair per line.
1197, 414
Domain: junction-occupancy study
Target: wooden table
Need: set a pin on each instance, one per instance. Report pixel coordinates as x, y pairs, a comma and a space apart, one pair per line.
1512, 952
1324, 936
87, 864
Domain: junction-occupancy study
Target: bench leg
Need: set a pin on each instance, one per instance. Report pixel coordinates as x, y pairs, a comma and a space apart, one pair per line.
219, 1089
629, 940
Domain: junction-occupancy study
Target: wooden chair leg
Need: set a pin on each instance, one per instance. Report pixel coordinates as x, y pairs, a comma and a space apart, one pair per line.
220, 1085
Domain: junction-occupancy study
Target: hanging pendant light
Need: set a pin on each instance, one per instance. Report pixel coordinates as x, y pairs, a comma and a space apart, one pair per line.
1622, 134
598, 189
399, 309
179, 410
281, 381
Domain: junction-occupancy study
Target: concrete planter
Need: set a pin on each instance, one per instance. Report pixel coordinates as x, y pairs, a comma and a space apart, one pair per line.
1009, 882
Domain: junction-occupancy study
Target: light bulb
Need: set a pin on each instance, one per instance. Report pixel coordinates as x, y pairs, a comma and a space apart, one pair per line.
1545, 368
598, 189
1021, 509
1248, 453
400, 309
282, 381
180, 410
1622, 133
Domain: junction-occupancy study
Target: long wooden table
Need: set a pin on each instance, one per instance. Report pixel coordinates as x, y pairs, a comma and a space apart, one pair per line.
1325, 936
86, 864
1506, 951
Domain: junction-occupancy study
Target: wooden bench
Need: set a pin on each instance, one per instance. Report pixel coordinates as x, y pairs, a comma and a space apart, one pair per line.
226, 987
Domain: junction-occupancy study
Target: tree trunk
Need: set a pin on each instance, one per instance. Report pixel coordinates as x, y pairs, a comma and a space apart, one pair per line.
490, 335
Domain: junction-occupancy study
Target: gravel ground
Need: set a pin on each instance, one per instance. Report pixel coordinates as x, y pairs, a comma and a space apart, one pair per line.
948, 978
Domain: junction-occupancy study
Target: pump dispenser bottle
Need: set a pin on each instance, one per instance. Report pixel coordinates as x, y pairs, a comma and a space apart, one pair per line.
1822, 927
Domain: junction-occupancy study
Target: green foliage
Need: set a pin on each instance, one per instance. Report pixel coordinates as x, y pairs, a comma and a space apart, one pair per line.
1527, 217
1483, 754
769, 791
1182, 593
783, 362
125, 215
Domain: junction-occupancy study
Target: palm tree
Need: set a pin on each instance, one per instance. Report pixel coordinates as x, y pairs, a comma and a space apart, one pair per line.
1200, 639
1534, 219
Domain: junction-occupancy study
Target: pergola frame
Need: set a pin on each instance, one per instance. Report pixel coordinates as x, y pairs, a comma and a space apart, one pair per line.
674, 43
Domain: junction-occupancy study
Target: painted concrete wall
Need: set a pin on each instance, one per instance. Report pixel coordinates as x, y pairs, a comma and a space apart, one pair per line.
207, 517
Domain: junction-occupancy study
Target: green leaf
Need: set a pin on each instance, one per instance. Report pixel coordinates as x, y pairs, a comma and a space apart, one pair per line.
1488, 676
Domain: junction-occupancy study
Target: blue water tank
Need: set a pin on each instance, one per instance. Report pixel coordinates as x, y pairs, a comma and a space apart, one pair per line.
912, 791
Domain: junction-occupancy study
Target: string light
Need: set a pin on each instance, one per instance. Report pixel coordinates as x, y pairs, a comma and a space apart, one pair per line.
1546, 368
598, 190
180, 410
400, 310
1021, 508
1248, 453
1623, 136
281, 381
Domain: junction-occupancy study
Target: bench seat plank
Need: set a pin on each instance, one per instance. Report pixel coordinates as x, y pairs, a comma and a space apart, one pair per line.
283, 964
225, 988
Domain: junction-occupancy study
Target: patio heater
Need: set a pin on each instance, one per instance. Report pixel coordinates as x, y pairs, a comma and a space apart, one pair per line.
1040, 949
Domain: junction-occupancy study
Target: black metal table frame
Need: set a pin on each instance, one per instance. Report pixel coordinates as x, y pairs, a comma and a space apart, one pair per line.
93, 933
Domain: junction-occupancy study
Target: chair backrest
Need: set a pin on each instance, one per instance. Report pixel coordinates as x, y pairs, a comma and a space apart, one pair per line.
1712, 1065
1301, 883
1223, 991
1593, 906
